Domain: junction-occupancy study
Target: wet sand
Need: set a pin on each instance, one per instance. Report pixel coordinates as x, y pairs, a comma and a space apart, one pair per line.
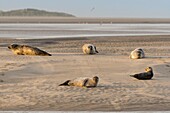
85, 20
31, 82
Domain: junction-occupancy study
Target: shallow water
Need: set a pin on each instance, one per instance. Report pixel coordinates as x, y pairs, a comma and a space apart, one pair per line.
24, 31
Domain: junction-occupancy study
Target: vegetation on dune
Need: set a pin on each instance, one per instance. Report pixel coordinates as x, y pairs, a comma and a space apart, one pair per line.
33, 12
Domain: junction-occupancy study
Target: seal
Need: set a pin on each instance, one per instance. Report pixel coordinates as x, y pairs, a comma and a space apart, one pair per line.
27, 50
82, 82
138, 53
89, 49
147, 75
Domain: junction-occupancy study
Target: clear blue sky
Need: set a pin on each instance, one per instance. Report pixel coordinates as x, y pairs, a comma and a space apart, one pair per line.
96, 8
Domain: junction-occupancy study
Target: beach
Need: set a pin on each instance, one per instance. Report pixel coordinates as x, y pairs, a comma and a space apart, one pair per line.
30, 83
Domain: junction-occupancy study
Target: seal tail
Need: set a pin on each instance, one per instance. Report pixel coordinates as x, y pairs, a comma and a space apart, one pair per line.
65, 83
135, 76
46, 54
131, 75
49, 54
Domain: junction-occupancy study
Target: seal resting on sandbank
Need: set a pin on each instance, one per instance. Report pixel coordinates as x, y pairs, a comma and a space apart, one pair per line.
82, 82
89, 49
27, 50
147, 75
138, 53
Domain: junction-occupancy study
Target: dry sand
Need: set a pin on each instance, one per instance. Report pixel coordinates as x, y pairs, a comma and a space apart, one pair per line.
31, 82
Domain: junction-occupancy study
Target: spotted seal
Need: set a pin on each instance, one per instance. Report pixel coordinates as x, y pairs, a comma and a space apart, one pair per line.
138, 53
27, 50
82, 82
89, 49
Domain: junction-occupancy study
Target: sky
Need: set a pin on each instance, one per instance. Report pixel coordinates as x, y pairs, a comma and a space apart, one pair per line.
96, 8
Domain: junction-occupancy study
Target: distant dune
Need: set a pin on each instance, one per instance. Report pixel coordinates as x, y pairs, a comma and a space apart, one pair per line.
33, 12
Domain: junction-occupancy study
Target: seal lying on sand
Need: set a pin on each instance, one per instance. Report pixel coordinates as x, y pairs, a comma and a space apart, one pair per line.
89, 49
82, 82
148, 74
27, 50
137, 54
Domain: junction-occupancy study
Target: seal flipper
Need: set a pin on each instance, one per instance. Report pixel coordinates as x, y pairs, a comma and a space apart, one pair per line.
85, 83
65, 83
96, 49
